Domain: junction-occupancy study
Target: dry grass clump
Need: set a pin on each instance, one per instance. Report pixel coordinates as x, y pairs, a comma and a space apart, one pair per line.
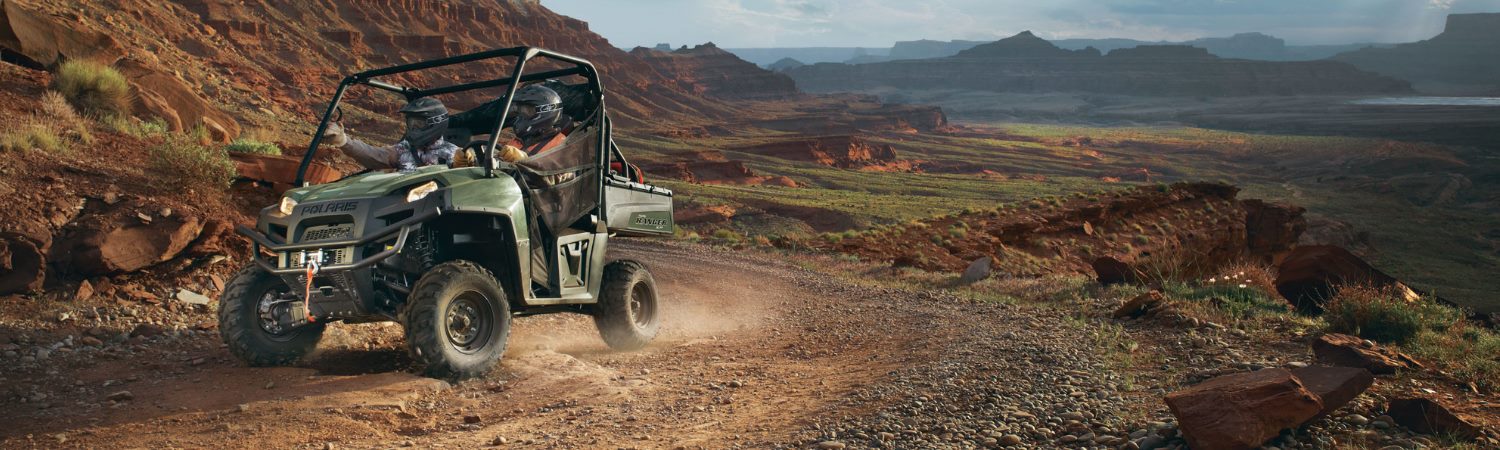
54, 128
93, 88
192, 163
31, 133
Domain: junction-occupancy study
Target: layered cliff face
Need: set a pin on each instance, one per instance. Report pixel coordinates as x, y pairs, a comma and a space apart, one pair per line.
1463, 60
706, 69
276, 57
1027, 64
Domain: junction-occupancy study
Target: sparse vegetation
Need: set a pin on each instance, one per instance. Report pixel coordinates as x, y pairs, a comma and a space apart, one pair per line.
32, 133
254, 147
93, 88
191, 163
1384, 315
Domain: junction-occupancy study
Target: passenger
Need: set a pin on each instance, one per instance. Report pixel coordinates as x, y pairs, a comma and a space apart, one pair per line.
422, 145
538, 123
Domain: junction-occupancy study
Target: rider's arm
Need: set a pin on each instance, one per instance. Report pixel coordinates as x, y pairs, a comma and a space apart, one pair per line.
372, 157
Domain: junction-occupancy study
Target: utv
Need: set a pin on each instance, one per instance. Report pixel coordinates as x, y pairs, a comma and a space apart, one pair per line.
452, 254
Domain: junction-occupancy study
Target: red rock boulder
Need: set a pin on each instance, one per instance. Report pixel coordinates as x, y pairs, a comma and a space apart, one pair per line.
280, 171
1336, 386
102, 244
1242, 411
1424, 415
1350, 351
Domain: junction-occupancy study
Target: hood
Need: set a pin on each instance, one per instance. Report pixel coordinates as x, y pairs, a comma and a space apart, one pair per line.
376, 184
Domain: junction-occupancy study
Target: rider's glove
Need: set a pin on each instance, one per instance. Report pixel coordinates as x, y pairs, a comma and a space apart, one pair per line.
511, 154
334, 136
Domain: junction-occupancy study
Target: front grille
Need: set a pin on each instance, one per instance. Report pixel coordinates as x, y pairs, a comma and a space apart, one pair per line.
328, 232
331, 256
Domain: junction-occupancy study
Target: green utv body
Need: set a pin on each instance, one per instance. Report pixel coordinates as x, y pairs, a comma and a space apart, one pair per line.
454, 253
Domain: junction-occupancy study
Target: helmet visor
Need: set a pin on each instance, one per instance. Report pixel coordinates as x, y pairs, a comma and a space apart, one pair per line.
525, 110
415, 123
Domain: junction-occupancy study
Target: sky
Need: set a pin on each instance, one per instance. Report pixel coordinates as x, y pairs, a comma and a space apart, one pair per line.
880, 23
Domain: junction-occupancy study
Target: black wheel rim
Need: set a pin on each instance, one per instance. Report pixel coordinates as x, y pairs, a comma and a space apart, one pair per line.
267, 309
642, 305
468, 321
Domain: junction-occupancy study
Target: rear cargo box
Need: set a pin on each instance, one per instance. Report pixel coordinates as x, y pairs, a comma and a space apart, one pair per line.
636, 209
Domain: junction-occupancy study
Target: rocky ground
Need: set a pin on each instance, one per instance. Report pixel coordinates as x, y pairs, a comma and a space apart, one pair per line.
755, 352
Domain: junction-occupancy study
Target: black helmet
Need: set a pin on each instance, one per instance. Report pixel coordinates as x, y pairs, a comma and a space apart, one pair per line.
426, 121
536, 110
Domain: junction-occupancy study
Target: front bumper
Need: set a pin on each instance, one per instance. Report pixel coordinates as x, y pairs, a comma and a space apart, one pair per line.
371, 231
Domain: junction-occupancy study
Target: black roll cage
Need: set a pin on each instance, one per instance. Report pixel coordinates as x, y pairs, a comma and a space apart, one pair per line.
579, 67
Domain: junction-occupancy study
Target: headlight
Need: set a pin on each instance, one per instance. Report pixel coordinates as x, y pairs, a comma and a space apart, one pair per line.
287, 205
420, 192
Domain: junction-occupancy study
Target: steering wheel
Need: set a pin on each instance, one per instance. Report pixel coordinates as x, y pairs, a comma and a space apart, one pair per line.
481, 157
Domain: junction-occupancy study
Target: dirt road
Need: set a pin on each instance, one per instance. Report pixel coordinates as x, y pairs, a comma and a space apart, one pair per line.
754, 352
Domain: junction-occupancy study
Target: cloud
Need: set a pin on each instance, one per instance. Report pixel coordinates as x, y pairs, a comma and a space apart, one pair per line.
879, 23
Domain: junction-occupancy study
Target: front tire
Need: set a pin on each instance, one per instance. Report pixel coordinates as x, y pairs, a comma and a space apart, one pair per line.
627, 315
457, 321
247, 320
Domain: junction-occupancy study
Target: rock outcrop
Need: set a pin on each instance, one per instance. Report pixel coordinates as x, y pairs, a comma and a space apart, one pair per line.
1310, 275
1463, 60
1027, 64
23, 265
44, 41
708, 70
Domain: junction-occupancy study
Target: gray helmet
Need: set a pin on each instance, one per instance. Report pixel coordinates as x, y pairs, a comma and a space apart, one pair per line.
536, 110
426, 121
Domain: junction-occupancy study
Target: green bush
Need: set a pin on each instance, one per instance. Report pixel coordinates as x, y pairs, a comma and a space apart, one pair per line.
252, 147
189, 163
93, 88
1384, 315
1237, 301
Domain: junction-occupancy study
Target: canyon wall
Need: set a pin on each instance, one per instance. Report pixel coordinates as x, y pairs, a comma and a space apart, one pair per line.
1463, 60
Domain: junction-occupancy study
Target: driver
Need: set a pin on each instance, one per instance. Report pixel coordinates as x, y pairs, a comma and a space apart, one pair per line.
426, 120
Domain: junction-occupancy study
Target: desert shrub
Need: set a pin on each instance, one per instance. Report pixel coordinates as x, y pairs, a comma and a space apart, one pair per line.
762, 241
1384, 315
1465, 350
93, 88
253, 147
31, 133
190, 163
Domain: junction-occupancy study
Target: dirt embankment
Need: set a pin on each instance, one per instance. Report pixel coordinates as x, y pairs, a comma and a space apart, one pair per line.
1193, 226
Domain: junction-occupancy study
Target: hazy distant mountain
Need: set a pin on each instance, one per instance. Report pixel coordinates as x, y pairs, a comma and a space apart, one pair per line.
808, 55
1256, 46
1025, 63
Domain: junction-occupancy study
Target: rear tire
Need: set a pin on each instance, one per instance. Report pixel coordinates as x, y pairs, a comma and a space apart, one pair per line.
627, 314
252, 334
457, 321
